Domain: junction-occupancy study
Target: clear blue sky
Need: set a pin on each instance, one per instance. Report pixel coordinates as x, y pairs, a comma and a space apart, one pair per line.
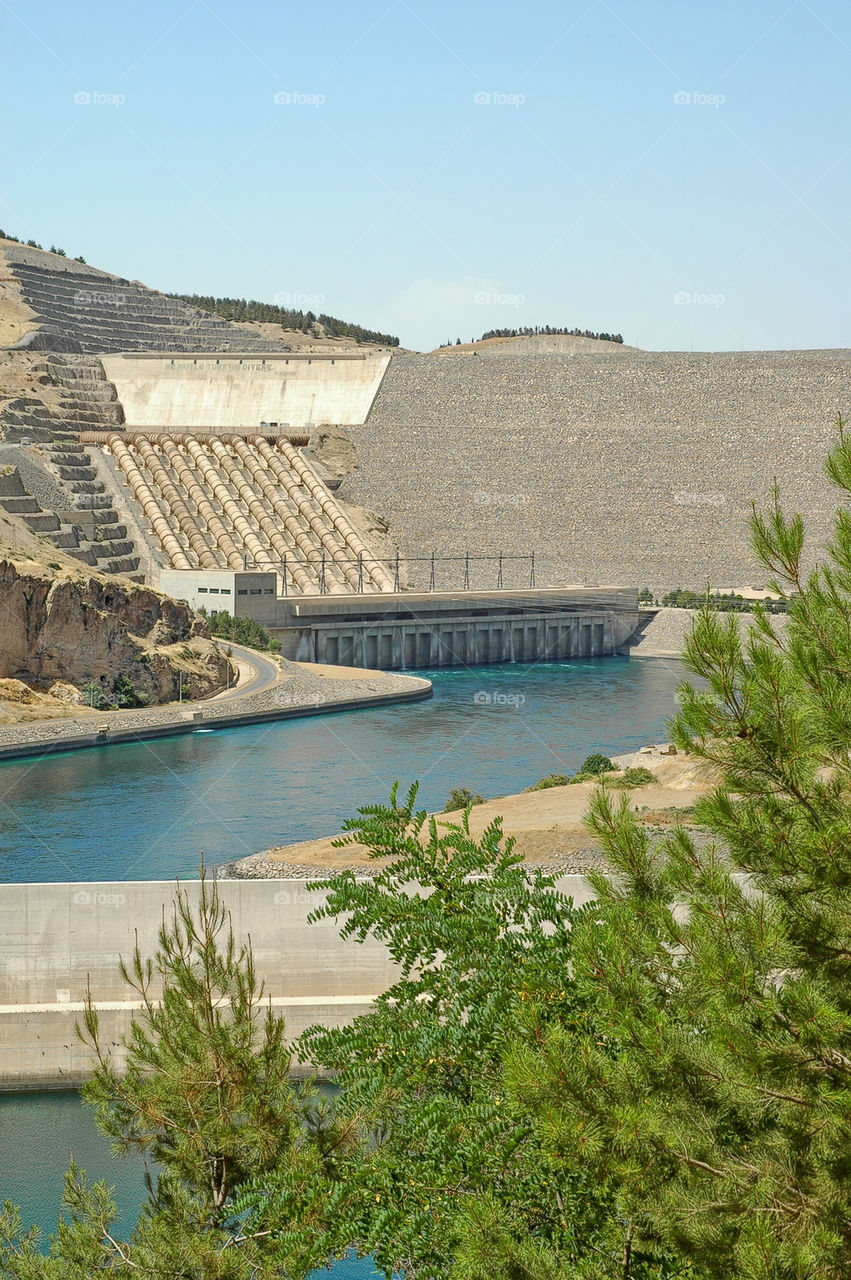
582, 192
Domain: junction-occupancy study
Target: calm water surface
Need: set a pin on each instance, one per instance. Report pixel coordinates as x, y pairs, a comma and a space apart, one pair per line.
146, 811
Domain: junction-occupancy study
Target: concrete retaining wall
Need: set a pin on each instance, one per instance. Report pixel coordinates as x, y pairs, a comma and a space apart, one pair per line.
241, 392
56, 937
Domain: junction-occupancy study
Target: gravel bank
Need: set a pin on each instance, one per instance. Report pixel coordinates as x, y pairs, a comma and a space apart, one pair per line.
666, 635
299, 692
571, 862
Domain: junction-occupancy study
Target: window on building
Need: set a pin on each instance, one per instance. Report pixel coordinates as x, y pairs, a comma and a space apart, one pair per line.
202, 591
214, 591
241, 591
225, 591
255, 591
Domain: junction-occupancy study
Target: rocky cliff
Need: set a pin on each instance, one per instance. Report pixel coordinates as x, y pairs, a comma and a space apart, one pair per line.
59, 624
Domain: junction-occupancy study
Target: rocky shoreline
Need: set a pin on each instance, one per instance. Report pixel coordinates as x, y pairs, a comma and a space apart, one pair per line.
260, 866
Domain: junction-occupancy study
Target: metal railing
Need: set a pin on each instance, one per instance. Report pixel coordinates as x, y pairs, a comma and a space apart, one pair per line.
500, 562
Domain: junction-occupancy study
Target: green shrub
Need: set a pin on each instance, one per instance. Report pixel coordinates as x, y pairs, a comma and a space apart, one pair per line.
93, 694
596, 763
724, 602
637, 777
126, 694
552, 780
461, 798
241, 631
583, 777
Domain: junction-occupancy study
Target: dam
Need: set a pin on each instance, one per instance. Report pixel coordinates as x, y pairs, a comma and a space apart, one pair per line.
164, 438
189, 391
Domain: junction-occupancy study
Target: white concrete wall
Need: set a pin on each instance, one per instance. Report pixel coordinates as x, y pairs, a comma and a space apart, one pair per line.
241, 392
55, 937
246, 594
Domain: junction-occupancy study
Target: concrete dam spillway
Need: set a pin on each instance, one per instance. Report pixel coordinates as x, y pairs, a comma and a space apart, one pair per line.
238, 391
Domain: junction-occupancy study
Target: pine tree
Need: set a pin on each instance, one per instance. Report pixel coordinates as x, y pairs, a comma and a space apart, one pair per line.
713, 1097
205, 1093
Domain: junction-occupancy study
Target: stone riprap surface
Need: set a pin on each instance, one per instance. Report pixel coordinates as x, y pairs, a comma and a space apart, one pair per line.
665, 636
638, 468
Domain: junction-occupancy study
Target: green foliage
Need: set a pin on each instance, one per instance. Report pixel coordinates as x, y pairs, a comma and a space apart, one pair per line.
550, 329
125, 693
93, 693
551, 780
723, 602
596, 763
241, 309
206, 1095
714, 1093
477, 937
241, 631
462, 798
645, 596
635, 777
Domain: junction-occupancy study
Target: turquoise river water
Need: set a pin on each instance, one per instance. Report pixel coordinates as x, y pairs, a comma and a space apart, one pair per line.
147, 811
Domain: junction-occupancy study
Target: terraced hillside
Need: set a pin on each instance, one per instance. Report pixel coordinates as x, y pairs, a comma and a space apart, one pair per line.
78, 308
638, 468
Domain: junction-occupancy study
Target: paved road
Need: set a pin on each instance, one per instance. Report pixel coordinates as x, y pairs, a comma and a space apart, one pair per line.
266, 672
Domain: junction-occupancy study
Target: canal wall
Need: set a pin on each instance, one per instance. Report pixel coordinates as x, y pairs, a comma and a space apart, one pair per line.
303, 695
55, 939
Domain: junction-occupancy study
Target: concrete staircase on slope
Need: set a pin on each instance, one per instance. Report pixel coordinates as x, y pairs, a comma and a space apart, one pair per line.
94, 535
86, 400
